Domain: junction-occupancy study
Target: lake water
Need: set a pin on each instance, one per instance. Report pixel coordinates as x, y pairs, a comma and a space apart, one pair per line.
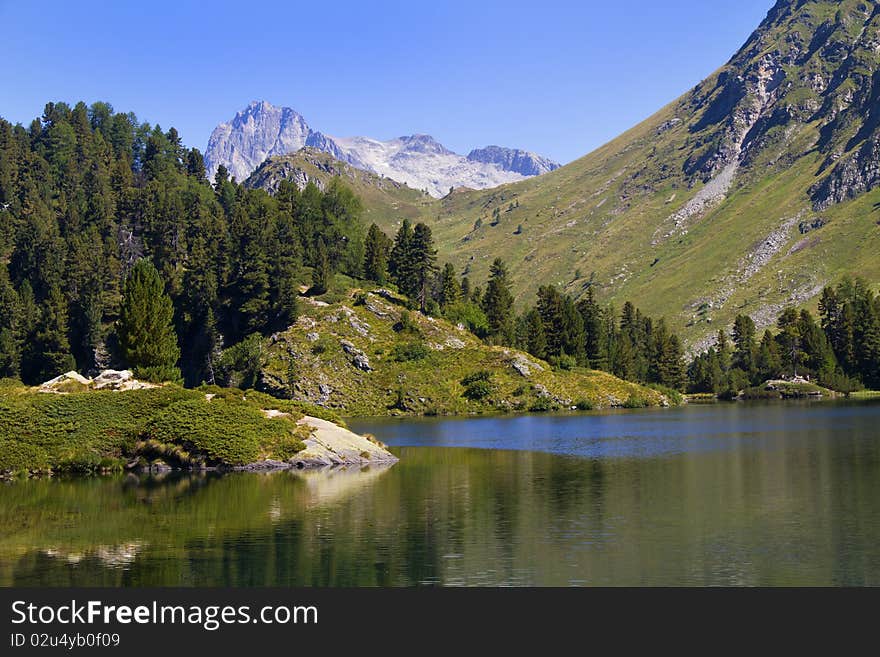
738, 494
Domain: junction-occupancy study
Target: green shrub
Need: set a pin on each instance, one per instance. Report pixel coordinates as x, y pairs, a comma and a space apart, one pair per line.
478, 390
410, 351
636, 401
323, 345
542, 405
93, 431
584, 405
407, 324
674, 396
470, 315
564, 362
225, 432
480, 375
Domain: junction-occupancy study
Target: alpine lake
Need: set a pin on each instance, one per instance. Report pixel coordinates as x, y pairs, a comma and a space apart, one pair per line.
742, 494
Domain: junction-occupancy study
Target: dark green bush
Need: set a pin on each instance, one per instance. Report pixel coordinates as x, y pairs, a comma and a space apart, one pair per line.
478, 390
542, 405
564, 362
410, 351
480, 375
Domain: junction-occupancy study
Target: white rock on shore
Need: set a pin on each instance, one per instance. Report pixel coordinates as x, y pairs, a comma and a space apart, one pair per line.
332, 445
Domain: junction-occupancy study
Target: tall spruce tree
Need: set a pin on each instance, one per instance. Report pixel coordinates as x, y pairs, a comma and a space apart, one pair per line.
769, 363
424, 265
449, 288
498, 304
376, 252
744, 346
145, 327
594, 339
321, 273
52, 346
400, 262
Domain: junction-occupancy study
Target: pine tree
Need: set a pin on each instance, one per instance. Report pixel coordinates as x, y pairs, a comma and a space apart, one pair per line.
594, 326
536, 341
744, 346
498, 304
450, 291
423, 258
769, 363
465, 288
550, 307
400, 262
789, 340
145, 329
818, 359
51, 345
572, 330
10, 348
838, 323
376, 252
321, 274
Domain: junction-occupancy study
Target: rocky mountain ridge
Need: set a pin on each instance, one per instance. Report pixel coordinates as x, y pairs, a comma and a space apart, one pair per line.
262, 130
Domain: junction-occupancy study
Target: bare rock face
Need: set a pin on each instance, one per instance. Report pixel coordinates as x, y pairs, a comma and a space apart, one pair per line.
118, 380
513, 159
358, 358
257, 132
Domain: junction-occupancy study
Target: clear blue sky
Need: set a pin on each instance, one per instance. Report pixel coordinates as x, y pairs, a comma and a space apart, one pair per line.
559, 78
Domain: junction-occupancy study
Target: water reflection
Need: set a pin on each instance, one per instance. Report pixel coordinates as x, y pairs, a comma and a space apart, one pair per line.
792, 506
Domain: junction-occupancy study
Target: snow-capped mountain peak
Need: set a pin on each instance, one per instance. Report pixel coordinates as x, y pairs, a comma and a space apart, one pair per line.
420, 161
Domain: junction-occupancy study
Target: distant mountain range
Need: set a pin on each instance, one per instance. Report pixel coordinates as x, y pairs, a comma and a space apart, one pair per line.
262, 130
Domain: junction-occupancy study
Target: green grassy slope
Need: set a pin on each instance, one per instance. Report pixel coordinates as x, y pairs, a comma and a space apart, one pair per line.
790, 111
327, 342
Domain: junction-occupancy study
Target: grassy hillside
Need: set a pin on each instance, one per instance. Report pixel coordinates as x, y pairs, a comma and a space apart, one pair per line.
750, 192
367, 355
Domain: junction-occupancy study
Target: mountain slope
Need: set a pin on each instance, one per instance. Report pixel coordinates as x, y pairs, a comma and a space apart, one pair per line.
262, 130
385, 201
749, 192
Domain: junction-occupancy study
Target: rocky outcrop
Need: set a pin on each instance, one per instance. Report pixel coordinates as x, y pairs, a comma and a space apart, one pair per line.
118, 380
522, 162
255, 133
853, 175
332, 445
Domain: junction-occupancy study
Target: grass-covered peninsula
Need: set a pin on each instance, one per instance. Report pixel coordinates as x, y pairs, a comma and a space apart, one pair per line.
86, 430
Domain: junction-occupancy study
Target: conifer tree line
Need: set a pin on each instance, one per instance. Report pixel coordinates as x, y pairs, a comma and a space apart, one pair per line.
115, 249
840, 351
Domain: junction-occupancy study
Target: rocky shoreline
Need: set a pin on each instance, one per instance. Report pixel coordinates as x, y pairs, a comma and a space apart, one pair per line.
330, 446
